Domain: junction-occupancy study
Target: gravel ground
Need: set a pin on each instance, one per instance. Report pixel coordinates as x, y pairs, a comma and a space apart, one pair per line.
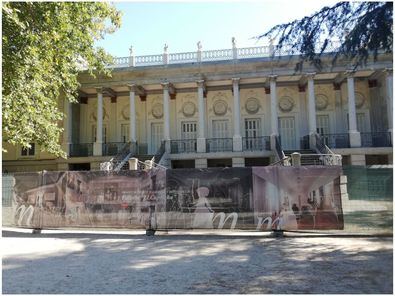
120, 263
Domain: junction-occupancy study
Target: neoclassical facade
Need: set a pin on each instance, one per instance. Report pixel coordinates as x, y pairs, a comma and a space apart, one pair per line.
223, 108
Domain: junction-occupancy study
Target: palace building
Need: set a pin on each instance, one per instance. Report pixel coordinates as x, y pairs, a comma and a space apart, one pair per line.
235, 107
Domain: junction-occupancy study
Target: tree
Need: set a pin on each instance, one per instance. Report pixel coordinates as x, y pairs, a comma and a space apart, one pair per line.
355, 31
44, 46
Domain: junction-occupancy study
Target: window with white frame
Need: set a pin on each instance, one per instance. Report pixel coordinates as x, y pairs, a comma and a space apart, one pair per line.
220, 129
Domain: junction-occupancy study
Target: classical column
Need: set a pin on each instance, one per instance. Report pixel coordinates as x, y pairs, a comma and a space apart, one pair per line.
166, 115
339, 126
68, 127
237, 141
97, 147
311, 109
389, 98
273, 111
132, 112
304, 129
355, 137
201, 140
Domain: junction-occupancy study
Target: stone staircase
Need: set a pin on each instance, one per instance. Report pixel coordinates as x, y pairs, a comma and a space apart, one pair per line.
309, 156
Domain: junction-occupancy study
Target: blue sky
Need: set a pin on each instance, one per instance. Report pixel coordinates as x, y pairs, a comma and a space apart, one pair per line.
149, 25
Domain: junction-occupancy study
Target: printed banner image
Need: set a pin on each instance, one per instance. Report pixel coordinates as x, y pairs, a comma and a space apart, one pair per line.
261, 198
292, 198
209, 198
88, 198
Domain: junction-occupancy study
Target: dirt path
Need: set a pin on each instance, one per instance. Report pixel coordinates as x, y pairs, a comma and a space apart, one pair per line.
123, 264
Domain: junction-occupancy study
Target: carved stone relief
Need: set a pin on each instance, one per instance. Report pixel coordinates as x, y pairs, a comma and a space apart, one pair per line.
286, 104
321, 102
252, 105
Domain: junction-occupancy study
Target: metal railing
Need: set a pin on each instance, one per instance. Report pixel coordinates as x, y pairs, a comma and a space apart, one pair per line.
219, 144
80, 149
117, 162
183, 146
336, 140
159, 154
326, 154
110, 149
376, 139
281, 158
256, 144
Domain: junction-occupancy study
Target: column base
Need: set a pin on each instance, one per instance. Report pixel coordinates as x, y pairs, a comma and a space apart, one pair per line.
273, 142
358, 159
97, 149
237, 144
201, 145
238, 162
201, 163
355, 139
312, 140
66, 148
167, 146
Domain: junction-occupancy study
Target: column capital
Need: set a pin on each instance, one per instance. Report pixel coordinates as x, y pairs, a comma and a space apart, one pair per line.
99, 90
272, 78
165, 85
235, 80
200, 83
310, 75
350, 73
337, 86
388, 71
131, 86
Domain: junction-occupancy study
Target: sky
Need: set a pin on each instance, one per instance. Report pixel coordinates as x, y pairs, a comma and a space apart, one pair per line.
147, 26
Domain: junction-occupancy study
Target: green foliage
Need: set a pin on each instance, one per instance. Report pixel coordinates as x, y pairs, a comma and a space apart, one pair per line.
44, 46
361, 29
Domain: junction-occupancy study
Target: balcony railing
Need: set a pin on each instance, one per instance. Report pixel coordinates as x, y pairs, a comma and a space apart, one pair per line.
183, 146
336, 140
212, 55
81, 149
256, 144
219, 144
113, 148
376, 139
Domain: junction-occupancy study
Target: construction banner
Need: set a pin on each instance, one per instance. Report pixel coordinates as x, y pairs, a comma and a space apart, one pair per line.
261, 198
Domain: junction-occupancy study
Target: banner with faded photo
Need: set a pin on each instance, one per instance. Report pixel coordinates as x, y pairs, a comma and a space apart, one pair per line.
209, 198
293, 198
261, 198
88, 198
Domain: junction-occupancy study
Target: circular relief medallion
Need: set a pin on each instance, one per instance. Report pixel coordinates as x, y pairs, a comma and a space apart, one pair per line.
125, 113
220, 107
189, 109
252, 105
286, 104
321, 102
359, 100
157, 110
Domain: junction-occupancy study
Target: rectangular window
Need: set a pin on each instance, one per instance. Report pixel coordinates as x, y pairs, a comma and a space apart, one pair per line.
252, 128
125, 133
220, 129
188, 130
28, 151
104, 133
